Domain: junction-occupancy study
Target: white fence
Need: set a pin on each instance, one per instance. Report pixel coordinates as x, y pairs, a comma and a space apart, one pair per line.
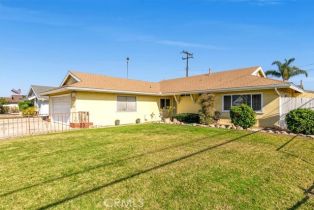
290, 103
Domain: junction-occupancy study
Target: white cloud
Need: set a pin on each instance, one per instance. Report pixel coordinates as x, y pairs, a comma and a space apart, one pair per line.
188, 44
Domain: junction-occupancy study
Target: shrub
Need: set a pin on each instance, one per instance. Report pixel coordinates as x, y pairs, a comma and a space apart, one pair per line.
4, 109
117, 122
167, 112
25, 104
14, 110
3, 101
188, 117
217, 115
30, 111
243, 116
138, 120
301, 121
206, 112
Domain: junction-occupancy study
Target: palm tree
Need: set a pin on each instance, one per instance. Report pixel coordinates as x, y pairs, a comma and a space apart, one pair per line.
286, 70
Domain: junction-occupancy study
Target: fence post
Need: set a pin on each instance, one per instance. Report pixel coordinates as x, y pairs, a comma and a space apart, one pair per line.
29, 125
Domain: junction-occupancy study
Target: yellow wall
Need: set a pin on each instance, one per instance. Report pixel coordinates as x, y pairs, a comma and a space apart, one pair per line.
186, 105
306, 95
268, 117
102, 108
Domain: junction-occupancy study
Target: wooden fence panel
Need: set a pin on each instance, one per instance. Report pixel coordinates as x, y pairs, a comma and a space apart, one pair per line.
290, 103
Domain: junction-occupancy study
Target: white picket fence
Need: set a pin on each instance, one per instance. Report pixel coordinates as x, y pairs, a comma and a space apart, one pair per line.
290, 103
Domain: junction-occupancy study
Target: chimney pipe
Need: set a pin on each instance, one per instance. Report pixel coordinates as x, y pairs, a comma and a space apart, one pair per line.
301, 84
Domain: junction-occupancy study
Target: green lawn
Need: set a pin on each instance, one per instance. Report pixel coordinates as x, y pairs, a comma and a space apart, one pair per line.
156, 166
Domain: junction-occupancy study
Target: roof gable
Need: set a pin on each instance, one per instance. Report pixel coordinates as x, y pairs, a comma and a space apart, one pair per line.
37, 90
69, 79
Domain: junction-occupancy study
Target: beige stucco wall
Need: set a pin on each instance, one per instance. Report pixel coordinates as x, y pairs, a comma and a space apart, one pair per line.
103, 108
268, 117
186, 105
306, 95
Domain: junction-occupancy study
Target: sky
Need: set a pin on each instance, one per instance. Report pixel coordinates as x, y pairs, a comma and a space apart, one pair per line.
40, 41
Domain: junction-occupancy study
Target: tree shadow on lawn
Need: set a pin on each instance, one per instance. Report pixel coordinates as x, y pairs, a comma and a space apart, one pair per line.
285, 144
101, 165
307, 192
142, 172
290, 154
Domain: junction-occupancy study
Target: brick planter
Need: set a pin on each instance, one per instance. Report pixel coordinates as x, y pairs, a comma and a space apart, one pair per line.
81, 125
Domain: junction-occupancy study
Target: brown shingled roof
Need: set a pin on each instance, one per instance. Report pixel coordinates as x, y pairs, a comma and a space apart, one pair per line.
237, 78
232, 79
114, 83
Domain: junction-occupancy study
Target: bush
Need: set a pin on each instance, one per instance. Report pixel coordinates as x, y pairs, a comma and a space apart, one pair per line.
206, 113
217, 115
188, 117
301, 121
117, 122
167, 112
3, 101
25, 104
243, 116
30, 111
4, 109
14, 110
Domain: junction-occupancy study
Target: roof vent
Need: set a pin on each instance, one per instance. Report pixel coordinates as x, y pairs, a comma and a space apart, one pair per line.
301, 84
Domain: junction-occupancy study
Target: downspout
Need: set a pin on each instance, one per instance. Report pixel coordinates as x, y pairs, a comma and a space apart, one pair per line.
280, 111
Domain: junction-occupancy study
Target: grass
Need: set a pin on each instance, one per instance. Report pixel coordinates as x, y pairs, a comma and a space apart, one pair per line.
155, 166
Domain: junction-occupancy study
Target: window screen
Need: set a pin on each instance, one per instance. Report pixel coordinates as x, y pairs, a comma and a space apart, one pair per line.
227, 102
257, 102
252, 100
164, 103
126, 104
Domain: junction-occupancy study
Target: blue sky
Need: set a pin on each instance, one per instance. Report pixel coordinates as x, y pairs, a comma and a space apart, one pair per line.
41, 40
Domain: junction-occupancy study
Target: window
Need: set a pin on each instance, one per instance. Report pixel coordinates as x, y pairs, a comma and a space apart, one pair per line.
227, 102
257, 102
164, 103
126, 104
252, 100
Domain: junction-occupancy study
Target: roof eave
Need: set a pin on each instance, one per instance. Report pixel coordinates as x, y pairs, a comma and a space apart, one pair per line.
98, 90
265, 87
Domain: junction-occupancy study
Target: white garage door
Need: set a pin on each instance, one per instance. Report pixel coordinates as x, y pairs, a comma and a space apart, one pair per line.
60, 109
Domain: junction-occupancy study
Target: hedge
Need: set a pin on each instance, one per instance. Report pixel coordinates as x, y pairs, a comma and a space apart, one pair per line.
243, 116
188, 117
301, 121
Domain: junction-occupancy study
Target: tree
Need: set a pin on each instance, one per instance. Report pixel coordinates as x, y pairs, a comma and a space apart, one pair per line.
207, 110
3, 101
286, 70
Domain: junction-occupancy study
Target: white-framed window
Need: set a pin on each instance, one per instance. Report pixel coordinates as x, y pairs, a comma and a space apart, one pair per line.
164, 103
126, 104
253, 100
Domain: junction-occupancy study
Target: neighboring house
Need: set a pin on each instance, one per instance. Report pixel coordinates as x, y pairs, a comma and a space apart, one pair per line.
108, 98
40, 102
13, 101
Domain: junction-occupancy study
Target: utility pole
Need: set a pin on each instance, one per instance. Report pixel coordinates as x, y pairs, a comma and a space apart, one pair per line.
127, 67
187, 55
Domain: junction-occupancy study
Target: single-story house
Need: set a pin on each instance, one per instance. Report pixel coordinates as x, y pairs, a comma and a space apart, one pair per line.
107, 99
41, 102
13, 102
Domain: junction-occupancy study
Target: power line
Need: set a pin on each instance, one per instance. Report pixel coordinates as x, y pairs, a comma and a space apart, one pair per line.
187, 55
